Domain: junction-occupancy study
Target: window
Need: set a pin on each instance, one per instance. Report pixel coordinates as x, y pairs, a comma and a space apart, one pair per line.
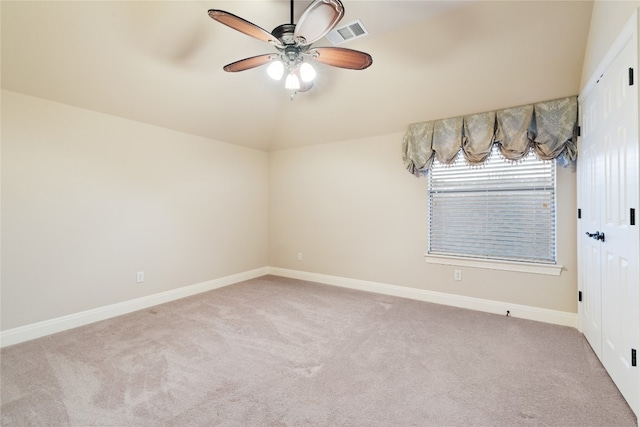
499, 210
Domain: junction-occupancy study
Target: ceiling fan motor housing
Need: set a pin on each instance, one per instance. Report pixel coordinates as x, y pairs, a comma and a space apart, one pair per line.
291, 47
284, 33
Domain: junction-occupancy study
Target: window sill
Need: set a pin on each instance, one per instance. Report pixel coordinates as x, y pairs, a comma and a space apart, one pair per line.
523, 267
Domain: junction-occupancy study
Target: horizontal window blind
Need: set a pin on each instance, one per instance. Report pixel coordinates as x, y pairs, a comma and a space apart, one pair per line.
500, 210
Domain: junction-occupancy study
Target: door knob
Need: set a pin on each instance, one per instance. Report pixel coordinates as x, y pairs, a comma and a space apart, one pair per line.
597, 235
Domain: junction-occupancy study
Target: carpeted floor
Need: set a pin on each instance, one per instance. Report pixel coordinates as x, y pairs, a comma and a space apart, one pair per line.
282, 352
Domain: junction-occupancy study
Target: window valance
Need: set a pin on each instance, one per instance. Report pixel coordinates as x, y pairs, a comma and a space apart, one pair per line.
548, 127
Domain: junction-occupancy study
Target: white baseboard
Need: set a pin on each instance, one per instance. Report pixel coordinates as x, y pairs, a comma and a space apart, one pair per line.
496, 307
59, 324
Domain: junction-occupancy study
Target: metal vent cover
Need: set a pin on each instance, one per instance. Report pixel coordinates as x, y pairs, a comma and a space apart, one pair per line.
347, 32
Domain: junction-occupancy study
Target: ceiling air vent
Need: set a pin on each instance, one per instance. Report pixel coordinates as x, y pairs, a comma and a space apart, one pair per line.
347, 32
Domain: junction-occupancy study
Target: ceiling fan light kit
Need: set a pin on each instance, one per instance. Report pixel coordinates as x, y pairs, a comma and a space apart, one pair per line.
292, 82
275, 70
293, 42
307, 72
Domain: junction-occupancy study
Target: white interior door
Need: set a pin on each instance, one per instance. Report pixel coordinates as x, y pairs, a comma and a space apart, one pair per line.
588, 195
619, 250
608, 274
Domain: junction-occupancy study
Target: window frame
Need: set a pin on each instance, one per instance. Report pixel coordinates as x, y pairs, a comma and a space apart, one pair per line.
548, 268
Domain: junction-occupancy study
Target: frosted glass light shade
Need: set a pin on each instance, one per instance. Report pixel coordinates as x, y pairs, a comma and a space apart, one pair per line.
275, 70
307, 73
292, 82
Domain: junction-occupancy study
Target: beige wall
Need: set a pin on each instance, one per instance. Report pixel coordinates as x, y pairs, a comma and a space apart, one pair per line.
89, 199
607, 19
354, 211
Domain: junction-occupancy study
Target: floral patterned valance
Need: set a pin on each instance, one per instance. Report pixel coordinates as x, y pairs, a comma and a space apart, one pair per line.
548, 127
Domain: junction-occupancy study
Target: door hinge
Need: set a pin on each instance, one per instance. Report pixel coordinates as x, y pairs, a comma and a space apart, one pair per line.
632, 216
633, 357
579, 296
630, 76
577, 131
579, 213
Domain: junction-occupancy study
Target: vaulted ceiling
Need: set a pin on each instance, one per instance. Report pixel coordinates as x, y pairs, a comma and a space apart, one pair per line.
161, 63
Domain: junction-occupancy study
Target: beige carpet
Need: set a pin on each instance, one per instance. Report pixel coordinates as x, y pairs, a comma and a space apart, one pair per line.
282, 352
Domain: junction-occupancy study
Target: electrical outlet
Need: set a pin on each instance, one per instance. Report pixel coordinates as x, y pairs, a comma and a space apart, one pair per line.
299, 256
140, 277
457, 274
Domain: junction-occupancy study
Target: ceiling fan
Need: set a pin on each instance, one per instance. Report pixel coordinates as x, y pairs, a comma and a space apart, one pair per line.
293, 42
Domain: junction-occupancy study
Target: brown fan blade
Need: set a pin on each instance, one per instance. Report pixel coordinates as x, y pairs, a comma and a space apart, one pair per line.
317, 20
242, 25
342, 57
248, 63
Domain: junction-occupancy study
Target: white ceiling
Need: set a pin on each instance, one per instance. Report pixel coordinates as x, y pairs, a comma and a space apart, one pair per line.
161, 63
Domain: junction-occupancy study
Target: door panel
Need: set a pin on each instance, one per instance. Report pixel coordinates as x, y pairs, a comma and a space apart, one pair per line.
608, 178
619, 251
588, 248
